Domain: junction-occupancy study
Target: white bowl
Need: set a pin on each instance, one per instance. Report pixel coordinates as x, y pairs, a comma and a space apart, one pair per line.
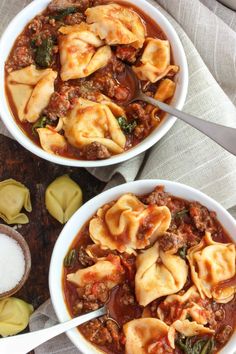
73, 226
6, 43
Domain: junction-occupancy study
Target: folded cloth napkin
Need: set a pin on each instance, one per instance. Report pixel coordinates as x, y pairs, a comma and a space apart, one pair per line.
207, 31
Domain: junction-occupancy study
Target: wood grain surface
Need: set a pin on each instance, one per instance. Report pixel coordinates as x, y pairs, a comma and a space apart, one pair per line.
42, 230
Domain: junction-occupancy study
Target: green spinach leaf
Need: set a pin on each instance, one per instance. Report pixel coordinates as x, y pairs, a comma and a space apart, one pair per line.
44, 53
126, 126
70, 258
40, 123
64, 12
202, 346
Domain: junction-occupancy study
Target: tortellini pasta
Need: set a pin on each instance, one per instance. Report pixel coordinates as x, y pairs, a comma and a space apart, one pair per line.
142, 335
89, 121
210, 263
31, 90
51, 141
117, 25
176, 309
155, 61
63, 197
158, 274
124, 226
107, 270
13, 197
81, 52
14, 316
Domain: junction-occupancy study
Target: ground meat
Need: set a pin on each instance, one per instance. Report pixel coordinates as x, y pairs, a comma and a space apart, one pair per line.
127, 297
171, 242
73, 19
137, 111
224, 334
121, 93
58, 106
22, 57
96, 332
35, 25
84, 258
94, 292
140, 132
113, 329
202, 218
144, 228
57, 5
95, 151
116, 65
127, 53
189, 233
158, 197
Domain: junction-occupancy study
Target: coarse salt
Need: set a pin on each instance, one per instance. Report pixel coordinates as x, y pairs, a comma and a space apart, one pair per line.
12, 263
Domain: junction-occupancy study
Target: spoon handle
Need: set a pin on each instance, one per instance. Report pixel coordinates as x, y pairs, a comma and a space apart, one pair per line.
23, 343
224, 136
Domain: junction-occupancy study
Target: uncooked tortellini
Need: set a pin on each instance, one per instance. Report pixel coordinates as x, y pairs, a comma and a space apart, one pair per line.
14, 316
13, 197
63, 197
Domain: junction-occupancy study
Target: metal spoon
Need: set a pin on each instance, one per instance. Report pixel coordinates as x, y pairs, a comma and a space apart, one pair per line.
224, 136
24, 343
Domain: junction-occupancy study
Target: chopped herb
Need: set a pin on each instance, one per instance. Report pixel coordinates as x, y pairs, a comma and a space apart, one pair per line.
182, 252
44, 53
64, 12
40, 123
181, 213
126, 126
70, 258
202, 346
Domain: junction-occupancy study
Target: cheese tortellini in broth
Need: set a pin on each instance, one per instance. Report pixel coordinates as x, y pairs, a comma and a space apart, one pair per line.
31, 90
122, 226
117, 24
90, 121
158, 274
81, 52
210, 263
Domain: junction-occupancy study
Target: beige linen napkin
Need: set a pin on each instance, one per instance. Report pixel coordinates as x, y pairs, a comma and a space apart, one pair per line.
207, 31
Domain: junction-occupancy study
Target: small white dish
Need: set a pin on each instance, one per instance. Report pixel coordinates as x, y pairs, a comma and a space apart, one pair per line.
73, 226
15, 28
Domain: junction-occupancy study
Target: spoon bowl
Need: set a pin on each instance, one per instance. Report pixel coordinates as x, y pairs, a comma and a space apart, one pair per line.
222, 135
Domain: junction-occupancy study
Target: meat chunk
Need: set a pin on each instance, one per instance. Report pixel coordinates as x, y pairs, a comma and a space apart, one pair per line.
202, 218
74, 19
57, 5
22, 57
224, 334
84, 258
137, 111
96, 332
127, 297
35, 25
58, 106
158, 197
95, 151
127, 53
171, 242
113, 329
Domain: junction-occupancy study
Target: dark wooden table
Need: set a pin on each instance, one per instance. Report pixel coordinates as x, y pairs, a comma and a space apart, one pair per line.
42, 230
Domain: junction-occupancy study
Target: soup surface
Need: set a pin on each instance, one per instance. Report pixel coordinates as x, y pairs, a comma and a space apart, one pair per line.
67, 81
165, 266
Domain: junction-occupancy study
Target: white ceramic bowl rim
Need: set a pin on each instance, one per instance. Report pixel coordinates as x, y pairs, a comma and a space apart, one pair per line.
73, 226
6, 42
